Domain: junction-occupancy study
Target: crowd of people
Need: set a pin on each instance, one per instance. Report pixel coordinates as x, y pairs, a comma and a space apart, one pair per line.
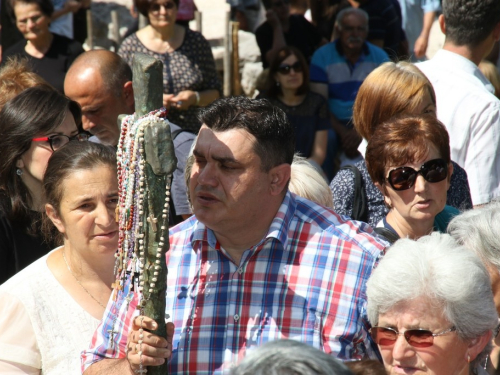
342, 222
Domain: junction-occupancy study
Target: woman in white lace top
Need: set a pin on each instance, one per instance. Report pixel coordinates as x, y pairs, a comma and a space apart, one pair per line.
50, 310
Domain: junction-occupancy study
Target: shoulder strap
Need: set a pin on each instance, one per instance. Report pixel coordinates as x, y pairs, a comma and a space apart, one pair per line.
359, 205
175, 133
388, 234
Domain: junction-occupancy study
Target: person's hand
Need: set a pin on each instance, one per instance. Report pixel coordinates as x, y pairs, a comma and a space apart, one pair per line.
183, 100
167, 100
420, 47
145, 348
272, 18
72, 6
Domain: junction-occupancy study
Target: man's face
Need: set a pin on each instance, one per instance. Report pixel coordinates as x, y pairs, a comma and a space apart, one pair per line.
100, 107
353, 32
228, 189
281, 8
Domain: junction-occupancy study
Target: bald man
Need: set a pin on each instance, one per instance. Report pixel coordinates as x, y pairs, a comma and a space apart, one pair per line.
101, 82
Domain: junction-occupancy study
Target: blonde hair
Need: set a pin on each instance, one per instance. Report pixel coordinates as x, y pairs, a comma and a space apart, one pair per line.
391, 89
490, 71
15, 77
307, 182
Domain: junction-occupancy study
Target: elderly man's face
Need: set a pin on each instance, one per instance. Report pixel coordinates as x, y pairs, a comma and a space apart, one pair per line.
353, 32
228, 188
100, 107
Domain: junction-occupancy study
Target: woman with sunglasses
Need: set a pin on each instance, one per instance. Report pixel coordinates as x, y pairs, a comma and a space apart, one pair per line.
189, 76
32, 126
408, 160
288, 89
393, 89
431, 307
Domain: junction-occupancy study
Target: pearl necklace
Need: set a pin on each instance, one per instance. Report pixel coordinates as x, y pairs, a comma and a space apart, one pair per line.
133, 195
79, 283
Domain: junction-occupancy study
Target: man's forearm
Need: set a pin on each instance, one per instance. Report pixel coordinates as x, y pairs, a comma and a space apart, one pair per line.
110, 367
278, 43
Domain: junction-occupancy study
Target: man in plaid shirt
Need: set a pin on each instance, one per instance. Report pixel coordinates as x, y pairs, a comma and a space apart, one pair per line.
256, 263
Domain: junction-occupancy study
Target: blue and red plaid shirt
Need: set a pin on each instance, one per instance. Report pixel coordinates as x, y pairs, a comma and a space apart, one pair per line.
305, 281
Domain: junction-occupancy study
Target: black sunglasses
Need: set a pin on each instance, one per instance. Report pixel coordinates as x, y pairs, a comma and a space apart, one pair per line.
155, 7
57, 141
404, 178
286, 69
280, 3
418, 338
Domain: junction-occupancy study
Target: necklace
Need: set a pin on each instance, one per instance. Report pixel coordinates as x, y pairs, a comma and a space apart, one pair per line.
78, 281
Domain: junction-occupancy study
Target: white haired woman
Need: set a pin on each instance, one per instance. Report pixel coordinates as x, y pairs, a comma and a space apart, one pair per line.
431, 306
477, 230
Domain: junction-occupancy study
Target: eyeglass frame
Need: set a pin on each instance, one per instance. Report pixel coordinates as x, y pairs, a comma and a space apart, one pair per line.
80, 137
407, 338
417, 172
296, 66
169, 5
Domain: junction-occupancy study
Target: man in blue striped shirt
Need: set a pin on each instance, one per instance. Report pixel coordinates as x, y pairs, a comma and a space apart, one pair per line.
339, 68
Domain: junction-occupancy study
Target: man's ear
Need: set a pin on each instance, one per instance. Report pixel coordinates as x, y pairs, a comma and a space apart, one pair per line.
477, 345
279, 177
54, 217
442, 24
496, 32
128, 94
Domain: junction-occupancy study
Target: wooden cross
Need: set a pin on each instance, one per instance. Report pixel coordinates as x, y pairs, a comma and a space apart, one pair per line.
160, 164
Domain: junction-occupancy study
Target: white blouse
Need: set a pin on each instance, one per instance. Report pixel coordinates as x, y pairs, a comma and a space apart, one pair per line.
42, 328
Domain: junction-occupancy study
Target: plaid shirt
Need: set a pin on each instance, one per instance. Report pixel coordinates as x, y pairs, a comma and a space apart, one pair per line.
304, 281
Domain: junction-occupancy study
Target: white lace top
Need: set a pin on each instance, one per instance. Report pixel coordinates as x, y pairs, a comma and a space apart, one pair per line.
42, 328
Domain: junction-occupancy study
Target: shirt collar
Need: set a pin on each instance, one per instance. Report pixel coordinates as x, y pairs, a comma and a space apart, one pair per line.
278, 229
461, 63
365, 50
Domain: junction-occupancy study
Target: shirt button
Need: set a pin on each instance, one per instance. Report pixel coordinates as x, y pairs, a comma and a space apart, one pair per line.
236, 317
240, 270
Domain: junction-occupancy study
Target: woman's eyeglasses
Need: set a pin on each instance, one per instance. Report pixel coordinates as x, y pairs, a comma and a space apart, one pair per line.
155, 7
57, 141
404, 178
418, 338
286, 69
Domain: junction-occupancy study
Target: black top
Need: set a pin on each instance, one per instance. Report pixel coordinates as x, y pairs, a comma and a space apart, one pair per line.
307, 118
53, 66
384, 23
18, 249
301, 34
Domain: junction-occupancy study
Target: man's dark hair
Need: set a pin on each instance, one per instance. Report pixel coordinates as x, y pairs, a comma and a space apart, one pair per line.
46, 7
469, 22
268, 124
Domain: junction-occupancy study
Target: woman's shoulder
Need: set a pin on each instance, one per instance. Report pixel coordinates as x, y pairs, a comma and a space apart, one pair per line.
35, 273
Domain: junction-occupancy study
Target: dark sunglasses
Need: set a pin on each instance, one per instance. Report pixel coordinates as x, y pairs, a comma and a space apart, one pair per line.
418, 338
277, 4
404, 178
57, 141
286, 69
155, 7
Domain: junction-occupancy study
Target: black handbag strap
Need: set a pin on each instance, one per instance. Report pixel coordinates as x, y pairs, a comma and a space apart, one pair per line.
388, 234
359, 205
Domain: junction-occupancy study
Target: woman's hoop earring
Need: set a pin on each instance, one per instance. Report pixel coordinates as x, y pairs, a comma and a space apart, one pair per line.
277, 84
19, 172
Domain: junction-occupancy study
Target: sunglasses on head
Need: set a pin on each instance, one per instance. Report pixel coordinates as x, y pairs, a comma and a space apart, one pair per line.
155, 7
404, 178
418, 338
286, 69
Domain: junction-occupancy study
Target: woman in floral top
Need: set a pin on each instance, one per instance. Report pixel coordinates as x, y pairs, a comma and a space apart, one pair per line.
189, 75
